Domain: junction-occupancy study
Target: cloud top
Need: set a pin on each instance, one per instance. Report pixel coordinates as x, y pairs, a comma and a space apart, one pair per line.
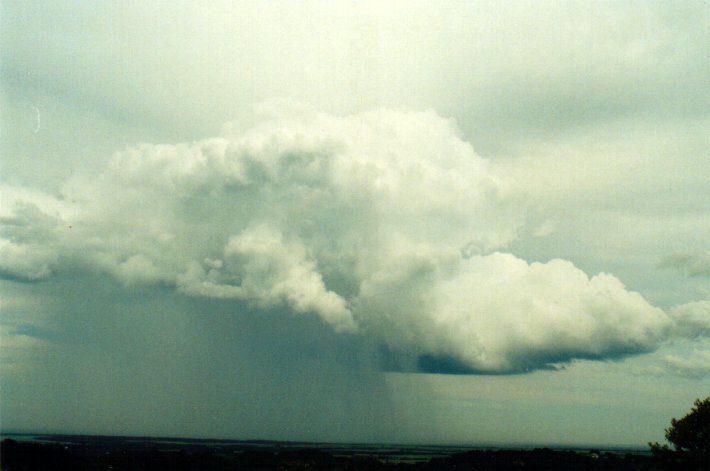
385, 224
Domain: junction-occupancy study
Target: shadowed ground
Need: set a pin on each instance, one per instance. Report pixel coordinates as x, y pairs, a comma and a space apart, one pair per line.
118, 454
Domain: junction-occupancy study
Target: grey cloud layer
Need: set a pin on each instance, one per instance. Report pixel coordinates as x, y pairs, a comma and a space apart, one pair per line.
384, 224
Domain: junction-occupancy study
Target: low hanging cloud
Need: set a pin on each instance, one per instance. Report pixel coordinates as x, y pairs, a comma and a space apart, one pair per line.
383, 224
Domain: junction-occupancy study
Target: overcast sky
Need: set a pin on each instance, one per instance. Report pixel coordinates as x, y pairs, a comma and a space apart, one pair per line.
450, 222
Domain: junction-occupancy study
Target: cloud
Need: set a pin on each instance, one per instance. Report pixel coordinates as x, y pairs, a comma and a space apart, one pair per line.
692, 319
19, 341
15, 350
500, 314
689, 263
270, 272
696, 365
28, 233
383, 223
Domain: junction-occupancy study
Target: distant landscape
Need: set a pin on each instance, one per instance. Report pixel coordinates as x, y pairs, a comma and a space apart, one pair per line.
85, 452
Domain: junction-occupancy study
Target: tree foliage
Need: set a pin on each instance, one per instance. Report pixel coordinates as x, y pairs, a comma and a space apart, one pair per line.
690, 437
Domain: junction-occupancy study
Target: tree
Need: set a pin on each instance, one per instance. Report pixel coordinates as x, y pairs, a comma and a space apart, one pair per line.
690, 437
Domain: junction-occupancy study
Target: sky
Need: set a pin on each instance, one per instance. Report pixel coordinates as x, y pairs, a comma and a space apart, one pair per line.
423, 222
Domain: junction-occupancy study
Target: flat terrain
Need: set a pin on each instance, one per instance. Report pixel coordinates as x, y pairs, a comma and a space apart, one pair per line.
89, 453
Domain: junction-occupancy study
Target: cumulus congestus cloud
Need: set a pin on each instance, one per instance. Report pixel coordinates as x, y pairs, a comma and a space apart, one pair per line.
384, 224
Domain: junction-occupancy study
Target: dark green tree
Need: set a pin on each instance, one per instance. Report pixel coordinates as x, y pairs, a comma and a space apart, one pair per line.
690, 437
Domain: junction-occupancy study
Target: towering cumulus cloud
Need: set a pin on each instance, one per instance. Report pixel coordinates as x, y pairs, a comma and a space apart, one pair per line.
383, 224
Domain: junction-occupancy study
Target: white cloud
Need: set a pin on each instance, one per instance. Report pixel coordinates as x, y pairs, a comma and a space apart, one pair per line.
499, 313
16, 345
16, 349
692, 319
383, 222
691, 264
697, 364
269, 272
594, 116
